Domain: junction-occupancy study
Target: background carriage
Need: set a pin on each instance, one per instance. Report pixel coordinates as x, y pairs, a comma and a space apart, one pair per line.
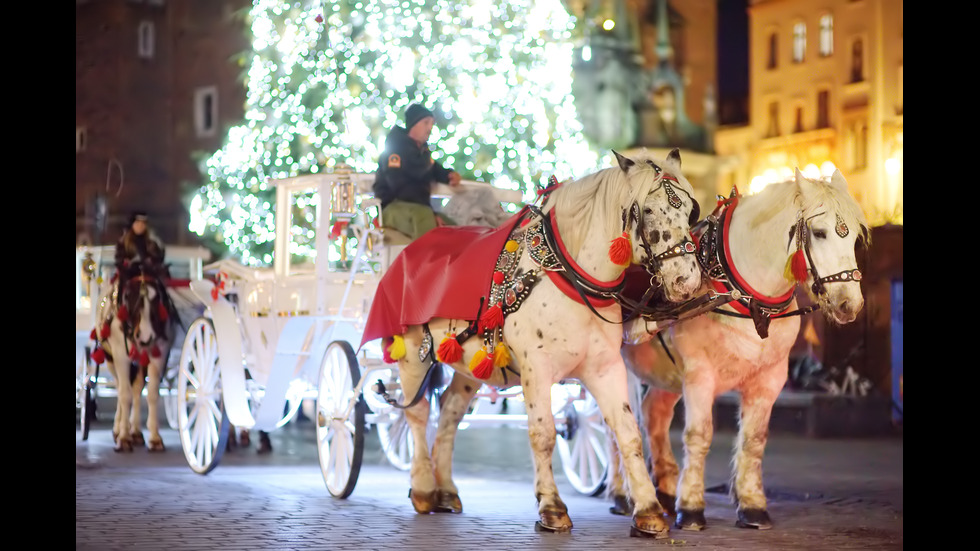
270, 338
94, 268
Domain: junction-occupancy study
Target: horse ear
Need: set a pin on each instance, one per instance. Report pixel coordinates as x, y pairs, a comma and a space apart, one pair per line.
675, 155
624, 163
837, 180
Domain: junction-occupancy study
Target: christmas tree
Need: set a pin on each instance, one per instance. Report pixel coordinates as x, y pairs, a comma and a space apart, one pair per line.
328, 79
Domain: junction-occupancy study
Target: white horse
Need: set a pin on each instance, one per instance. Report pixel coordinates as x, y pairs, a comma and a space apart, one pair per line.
551, 314
134, 337
745, 345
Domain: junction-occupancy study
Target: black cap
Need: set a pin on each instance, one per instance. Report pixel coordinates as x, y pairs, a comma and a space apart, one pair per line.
138, 215
414, 114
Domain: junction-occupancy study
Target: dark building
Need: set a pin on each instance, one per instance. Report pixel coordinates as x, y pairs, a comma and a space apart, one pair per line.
157, 84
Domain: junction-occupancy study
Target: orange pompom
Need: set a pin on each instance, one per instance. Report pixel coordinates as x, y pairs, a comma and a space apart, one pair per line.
621, 250
449, 350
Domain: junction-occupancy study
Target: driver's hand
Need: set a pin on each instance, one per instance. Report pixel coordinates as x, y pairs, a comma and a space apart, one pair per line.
454, 178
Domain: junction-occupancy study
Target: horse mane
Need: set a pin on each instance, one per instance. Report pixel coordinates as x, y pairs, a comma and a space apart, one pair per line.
593, 203
775, 197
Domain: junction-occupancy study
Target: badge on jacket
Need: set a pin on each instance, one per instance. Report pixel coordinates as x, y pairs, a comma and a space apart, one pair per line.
394, 161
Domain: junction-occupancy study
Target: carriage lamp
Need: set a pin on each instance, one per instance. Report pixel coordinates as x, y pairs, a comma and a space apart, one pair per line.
343, 193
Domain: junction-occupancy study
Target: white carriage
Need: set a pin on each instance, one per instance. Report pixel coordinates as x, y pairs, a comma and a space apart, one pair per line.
271, 337
94, 267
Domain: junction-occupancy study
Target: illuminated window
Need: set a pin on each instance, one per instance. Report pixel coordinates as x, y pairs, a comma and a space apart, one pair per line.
823, 109
206, 111
857, 61
146, 39
798, 127
773, 130
826, 35
799, 42
773, 51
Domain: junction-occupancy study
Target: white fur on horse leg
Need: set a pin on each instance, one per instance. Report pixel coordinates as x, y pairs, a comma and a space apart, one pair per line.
658, 407
456, 401
753, 433
124, 400
154, 371
609, 387
552, 511
136, 418
617, 491
411, 373
698, 432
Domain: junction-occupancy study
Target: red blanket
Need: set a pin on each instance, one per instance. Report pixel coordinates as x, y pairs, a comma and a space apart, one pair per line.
442, 274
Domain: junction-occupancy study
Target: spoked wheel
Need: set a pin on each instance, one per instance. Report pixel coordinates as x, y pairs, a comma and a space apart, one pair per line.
169, 396
583, 446
201, 419
396, 438
339, 419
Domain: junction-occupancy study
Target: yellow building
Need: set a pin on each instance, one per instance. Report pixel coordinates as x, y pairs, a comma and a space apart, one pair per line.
825, 92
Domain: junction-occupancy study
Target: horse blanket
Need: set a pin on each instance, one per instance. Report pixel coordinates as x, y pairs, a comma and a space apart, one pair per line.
443, 274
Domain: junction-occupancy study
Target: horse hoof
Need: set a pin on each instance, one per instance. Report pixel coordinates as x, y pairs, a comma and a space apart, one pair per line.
156, 446
691, 520
244, 440
553, 520
423, 502
636, 532
539, 527
123, 446
753, 518
649, 524
449, 503
668, 502
621, 506
138, 439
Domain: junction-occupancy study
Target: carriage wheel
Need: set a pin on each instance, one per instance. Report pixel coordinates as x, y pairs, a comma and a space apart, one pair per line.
201, 419
583, 446
339, 427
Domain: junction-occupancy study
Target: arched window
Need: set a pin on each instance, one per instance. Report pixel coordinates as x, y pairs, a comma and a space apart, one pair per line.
826, 35
146, 37
799, 42
773, 51
857, 61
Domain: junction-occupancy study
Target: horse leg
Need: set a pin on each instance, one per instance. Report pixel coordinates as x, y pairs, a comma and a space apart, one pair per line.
154, 373
609, 387
618, 491
698, 431
136, 419
124, 404
753, 432
265, 444
552, 511
455, 403
411, 373
658, 406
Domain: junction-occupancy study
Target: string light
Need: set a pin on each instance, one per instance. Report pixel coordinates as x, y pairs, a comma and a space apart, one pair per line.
498, 75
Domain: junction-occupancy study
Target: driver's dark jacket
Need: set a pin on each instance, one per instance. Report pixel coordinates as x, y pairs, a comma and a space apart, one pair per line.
406, 170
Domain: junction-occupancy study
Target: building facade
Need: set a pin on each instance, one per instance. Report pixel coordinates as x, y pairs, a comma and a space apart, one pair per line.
157, 82
825, 92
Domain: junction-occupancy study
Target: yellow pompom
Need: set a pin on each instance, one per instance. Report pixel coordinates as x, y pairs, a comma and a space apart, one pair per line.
477, 358
511, 246
397, 348
501, 356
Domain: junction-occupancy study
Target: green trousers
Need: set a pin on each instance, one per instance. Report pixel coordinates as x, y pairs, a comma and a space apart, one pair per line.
412, 219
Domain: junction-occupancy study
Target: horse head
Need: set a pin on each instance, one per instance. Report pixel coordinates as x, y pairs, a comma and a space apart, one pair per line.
828, 227
664, 211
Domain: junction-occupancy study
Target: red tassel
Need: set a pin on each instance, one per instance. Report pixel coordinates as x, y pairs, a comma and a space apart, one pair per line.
98, 356
162, 311
385, 353
133, 353
492, 318
449, 350
123, 313
155, 351
484, 369
144, 359
498, 277
214, 293
799, 266
621, 250
105, 330
93, 335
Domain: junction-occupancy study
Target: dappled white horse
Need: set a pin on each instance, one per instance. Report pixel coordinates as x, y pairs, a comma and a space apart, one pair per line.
757, 247
544, 310
133, 338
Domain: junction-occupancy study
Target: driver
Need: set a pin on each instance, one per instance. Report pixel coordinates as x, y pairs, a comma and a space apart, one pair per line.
140, 252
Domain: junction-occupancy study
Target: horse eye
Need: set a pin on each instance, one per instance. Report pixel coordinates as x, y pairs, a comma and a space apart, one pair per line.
820, 234
647, 211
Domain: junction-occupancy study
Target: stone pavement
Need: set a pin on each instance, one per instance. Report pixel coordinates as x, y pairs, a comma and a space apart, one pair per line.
824, 494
